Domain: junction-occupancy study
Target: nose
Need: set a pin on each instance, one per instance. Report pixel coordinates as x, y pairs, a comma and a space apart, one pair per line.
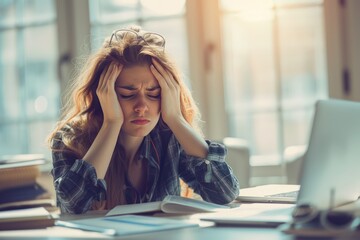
141, 105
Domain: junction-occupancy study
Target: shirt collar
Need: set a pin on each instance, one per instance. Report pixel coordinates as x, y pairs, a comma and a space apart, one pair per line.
148, 151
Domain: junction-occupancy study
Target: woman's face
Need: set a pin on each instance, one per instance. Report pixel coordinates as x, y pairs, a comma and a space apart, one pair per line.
139, 96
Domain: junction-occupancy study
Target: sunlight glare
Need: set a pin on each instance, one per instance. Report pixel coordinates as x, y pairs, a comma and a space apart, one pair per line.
40, 104
245, 5
164, 7
251, 11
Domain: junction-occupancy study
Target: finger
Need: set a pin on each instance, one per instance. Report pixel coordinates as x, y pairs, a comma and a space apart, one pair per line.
102, 76
160, 68
114, 75
168, 77
109, 74
163, 84
105, 76
161, 75
109, 79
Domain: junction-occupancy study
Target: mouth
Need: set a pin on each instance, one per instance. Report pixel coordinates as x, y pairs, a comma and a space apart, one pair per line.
140, 121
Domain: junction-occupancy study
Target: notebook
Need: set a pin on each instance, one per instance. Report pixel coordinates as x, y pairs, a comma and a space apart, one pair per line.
270, 193
252, 214
330, 170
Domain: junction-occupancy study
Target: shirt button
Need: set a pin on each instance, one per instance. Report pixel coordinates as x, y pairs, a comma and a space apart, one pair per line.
207, 161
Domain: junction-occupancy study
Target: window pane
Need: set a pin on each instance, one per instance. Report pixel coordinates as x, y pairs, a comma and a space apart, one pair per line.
249, 62
38, 11
162, 8
113, 11
38, 133
12, 138
265, 132
260, 129
9, 77
297, 126
42, 85
303, 63
7, 12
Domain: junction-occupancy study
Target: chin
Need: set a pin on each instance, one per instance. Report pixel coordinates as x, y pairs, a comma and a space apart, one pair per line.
138, 132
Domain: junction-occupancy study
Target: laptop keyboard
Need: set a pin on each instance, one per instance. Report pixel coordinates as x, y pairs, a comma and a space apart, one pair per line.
292, 194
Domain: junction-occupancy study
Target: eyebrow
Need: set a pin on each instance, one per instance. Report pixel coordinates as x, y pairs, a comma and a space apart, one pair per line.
132, 88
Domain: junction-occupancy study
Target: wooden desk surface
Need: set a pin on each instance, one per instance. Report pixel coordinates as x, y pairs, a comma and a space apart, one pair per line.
201, 233
207, 233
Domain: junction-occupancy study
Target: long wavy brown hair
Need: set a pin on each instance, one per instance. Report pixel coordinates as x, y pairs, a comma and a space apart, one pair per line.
82, 114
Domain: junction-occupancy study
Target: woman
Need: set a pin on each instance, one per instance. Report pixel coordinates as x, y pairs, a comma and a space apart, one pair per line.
130, 132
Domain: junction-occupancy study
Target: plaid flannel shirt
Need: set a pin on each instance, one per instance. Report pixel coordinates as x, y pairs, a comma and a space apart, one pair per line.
77, 185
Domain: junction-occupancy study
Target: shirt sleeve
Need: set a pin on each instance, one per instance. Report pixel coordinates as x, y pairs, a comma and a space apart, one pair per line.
75, 181
212, 178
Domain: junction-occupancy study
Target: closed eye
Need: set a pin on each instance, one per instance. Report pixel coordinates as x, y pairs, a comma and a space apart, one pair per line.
126, 96
154, 96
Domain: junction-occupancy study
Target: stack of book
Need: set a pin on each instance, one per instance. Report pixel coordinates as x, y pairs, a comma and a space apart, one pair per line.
19, 187
18, 182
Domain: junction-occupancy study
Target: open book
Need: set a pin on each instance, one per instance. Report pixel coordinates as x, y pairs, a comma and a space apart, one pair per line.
170, 204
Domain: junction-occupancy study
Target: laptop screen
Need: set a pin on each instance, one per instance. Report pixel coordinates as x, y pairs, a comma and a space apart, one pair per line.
330, 171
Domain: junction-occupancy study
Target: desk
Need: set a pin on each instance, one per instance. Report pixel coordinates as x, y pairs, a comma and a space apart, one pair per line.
201, 233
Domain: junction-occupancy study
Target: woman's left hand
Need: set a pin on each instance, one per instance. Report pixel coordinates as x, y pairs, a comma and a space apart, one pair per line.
170, 93
190, 140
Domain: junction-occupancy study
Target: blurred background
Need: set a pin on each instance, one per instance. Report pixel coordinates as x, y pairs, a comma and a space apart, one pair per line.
255, 67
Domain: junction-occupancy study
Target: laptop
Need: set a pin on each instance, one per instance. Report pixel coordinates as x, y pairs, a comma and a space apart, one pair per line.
330, 170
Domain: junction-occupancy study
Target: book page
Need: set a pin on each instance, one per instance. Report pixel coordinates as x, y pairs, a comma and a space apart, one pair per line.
177, 204
126, 225
170, 204
135, 208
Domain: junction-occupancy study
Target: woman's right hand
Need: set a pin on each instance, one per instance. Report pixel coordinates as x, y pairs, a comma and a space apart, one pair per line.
107, 95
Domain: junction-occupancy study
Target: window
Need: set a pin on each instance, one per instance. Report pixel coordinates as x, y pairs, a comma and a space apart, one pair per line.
29, 91
274, 70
